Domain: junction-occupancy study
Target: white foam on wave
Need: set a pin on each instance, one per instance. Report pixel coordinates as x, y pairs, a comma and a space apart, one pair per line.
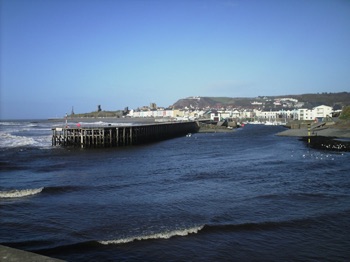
24, 134
162, 235
25, 129
10, 124
32, 125
8, 140
20, 193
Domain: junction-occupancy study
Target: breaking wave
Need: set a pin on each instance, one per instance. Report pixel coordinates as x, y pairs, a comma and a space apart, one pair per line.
12, 141
207, 229
10, 124
15, 193
216, 228
162, 235
18, 193
8, 140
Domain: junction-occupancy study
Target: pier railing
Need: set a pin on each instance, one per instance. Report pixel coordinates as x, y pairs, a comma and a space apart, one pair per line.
112, 136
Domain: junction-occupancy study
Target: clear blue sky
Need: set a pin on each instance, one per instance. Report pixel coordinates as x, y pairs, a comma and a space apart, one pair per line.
56, 54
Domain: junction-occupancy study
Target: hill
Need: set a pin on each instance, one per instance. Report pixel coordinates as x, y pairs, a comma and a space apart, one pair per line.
212, 102
336, 100
330, 99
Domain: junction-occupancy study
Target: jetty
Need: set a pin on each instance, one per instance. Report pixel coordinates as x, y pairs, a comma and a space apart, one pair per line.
117, 136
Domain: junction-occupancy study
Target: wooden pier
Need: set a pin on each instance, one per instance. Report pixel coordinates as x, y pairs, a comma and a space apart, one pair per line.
112, 136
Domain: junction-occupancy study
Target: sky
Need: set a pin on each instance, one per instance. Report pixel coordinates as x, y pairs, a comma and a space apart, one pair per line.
59, 54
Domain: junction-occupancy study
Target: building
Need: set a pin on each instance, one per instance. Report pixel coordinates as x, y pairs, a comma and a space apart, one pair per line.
318, 112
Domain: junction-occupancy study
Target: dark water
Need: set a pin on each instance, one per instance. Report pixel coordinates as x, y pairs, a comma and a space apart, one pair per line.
242, 196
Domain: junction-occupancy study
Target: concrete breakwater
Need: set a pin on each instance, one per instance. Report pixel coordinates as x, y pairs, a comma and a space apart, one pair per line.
111, 136
328, 143
16, 255
322, 136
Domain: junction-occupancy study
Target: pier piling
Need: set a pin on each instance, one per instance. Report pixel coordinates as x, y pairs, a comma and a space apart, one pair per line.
91, 137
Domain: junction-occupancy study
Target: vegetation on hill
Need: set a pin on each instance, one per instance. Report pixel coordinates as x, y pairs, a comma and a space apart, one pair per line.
345, 114
335, 100
212, 102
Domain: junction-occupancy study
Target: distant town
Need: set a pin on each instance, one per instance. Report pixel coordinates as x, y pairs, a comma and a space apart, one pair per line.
260, 109
291, 109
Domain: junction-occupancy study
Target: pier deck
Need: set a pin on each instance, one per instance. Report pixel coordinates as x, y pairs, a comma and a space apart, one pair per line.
112, 136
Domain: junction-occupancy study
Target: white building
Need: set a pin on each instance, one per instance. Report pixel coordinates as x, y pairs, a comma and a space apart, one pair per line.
318, 112
322, 111
285, 115
266, 115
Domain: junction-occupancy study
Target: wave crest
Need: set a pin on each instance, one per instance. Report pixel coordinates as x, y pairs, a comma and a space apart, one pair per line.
162, 235
8, 140
20, 193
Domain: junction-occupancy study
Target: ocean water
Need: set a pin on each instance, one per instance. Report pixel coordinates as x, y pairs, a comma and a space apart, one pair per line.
247, 195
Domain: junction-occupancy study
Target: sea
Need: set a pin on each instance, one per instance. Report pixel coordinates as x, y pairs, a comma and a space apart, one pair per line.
245, 195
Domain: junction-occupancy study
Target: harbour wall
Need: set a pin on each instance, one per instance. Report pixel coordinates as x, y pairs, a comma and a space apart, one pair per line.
111, 136
15, 255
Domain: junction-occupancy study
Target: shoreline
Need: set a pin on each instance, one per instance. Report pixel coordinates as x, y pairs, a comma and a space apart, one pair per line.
325, 132
329, 138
